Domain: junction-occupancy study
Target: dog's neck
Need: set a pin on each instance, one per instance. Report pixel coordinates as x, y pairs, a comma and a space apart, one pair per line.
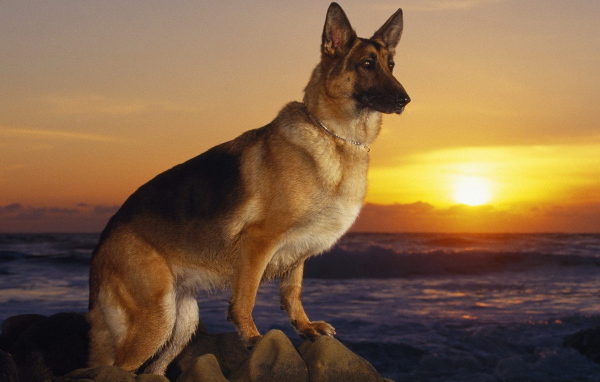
342, 117
332, 133
357, 127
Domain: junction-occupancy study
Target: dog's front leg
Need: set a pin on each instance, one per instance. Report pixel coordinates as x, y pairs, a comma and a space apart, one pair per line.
291, 291
254, 258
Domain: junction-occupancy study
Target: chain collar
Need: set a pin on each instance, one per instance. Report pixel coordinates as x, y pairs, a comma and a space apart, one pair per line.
356, 143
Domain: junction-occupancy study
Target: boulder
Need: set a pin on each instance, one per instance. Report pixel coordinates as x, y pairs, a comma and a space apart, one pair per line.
330, 361
150, 378
98, 374
227, 347
8, 368
587, 342
205, 369
273, 358
56, 348
13, 326
108, 374
51, 347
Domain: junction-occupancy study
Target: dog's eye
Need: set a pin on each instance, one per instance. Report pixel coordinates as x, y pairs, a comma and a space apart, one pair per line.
368, 64
391, 65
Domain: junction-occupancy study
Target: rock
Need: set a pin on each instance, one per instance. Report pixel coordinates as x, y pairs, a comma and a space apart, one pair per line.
330, 361
51, 347
8, 368
150, 378
587, 342
226, 347
273, 358
108, 374
55, 348
98, 374
13, 326
205, 369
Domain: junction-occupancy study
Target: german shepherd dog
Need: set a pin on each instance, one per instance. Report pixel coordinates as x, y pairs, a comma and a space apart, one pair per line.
248, 210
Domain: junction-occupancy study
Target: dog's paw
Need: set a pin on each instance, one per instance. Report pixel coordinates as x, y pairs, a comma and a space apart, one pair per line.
315, 329
250, 342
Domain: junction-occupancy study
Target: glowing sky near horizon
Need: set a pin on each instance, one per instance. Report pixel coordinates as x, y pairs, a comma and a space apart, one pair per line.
96, 98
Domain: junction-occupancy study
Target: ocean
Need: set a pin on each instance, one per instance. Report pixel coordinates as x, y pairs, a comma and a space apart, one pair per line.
419, 307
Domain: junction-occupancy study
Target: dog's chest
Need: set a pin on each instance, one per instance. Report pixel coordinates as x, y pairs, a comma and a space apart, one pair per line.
312, 237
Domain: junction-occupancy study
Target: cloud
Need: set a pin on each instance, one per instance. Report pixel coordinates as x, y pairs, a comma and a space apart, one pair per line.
81, 218
424, 217
55, 134
96, 104
443, 5
528, 174
412, 217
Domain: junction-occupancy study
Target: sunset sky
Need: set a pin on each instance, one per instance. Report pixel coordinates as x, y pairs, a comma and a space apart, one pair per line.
502, 134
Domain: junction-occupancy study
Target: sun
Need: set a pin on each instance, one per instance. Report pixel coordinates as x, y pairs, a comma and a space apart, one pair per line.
472, 190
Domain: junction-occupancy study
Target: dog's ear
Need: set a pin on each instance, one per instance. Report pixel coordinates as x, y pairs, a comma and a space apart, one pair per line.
391, 31
338, 35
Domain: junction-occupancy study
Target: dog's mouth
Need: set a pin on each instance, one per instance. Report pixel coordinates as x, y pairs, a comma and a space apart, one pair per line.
383, 103
400, 110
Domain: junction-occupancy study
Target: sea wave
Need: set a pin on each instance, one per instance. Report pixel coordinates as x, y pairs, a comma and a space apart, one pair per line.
381, 262
360, 255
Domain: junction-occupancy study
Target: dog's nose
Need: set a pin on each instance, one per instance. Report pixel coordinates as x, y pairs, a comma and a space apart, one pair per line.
401, 101
404, 100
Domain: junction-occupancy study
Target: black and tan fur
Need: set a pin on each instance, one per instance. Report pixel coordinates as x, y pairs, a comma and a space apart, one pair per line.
251, 209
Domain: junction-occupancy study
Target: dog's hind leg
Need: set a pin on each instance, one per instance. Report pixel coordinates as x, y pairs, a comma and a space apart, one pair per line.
133, 309
126, 334
146, 334
186, 323
102, 340
150, 324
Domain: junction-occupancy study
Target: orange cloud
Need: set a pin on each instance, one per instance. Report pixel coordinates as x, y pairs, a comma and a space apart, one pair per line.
424, 217
55, 134
524, 175
80, 218
413, 217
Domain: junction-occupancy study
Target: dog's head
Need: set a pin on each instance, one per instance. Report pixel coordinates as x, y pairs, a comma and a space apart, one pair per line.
362, 69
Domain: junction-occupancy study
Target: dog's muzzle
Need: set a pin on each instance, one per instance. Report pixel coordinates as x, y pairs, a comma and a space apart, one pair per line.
401, 101
388, 104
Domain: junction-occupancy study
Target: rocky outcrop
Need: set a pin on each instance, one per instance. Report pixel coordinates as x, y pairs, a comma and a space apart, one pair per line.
273, 358
108, 374
35, 348
328, 360
227, 348
204, 369
8, 368
46, 347
587, 342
